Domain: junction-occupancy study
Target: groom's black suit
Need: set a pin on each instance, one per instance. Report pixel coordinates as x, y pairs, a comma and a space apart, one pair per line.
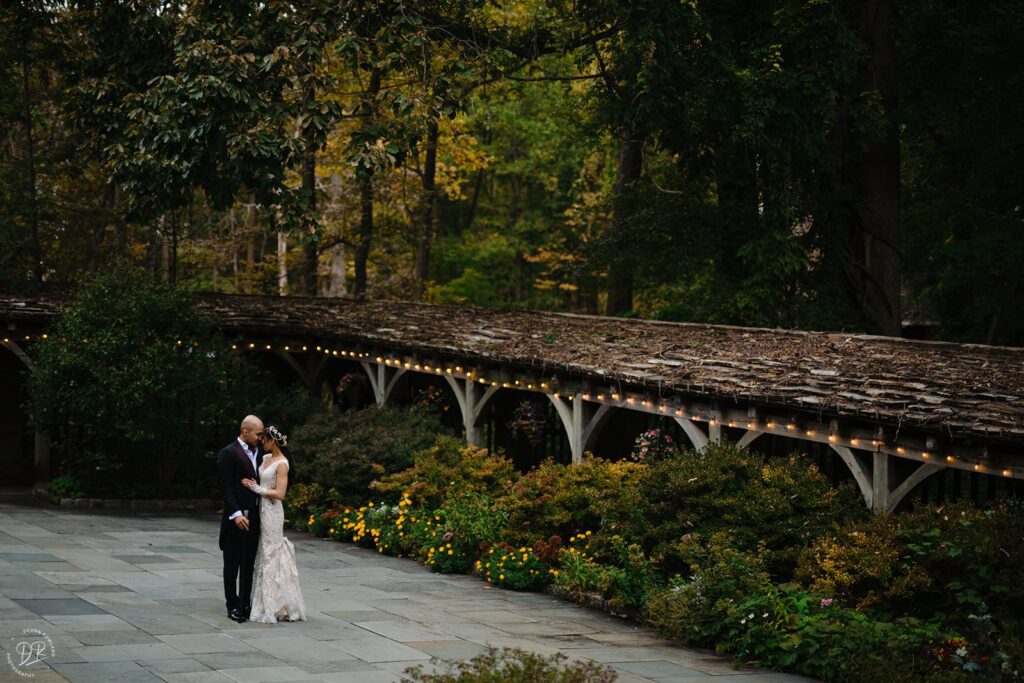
239, 546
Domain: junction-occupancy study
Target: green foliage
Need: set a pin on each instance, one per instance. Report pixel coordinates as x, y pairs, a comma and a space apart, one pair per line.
449, 466
730, 603
65, 486
443, 555
520, 569
473, 521
579, 575
556, 499
954, 560
301, 497
514, 666
724, 488
349, 450
134, 386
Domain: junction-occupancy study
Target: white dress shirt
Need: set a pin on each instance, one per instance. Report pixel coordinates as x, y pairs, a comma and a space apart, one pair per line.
251, 453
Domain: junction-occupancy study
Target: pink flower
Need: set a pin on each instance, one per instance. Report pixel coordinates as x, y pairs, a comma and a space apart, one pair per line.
825, 602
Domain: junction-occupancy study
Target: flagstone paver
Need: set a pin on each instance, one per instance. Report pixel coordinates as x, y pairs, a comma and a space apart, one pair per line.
135, 597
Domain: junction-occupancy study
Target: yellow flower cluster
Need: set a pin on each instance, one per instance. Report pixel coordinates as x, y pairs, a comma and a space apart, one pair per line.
505, 565
356, 524
403, 509
435, 555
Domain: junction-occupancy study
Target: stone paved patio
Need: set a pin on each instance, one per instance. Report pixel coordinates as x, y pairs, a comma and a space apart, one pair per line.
136, 597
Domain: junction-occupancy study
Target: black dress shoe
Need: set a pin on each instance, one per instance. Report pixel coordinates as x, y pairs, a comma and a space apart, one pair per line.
237, 615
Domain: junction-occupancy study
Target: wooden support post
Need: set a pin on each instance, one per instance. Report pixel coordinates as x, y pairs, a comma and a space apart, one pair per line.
881, 481
379, 382
698, 438
580, 426
471, 403
748, 437
715, 432
595, 425
862, 474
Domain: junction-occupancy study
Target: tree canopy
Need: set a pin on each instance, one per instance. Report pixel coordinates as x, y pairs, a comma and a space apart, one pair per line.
828, 164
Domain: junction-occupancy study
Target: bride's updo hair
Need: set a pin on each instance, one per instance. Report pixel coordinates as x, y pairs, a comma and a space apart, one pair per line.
280, 437
276, 432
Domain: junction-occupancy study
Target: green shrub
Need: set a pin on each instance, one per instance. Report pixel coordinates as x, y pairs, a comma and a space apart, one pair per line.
561, 500
449, 466
134, 386
725, 488
441, 553
520, 568
632, 576
299, 499
66, 486
691, 609
514, 666
579, 574
474, 522
348, 450
948, 561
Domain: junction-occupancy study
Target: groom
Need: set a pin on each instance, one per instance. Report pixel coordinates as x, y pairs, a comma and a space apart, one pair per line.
240, 523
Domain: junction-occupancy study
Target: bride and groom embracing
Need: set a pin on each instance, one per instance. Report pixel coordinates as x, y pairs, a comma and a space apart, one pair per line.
253, 471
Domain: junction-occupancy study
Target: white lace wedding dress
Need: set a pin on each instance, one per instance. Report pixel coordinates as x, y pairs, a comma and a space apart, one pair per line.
276, 595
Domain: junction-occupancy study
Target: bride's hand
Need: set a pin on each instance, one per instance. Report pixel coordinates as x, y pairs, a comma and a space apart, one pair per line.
249, 483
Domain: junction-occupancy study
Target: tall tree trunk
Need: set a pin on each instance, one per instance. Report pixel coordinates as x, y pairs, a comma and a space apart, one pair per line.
35, 246
368, 107
425, 232
878, 208
310, 251
335, 284
620, 269
282, 264
365, 235
478, 185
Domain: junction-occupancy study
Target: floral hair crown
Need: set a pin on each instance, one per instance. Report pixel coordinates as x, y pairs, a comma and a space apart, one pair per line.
275, 434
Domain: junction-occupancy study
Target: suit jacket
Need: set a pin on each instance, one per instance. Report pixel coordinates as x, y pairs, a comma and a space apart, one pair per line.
233, 465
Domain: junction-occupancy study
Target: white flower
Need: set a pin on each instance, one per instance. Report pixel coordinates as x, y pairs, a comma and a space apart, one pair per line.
764, 616
961, 652
750, 616
743, 621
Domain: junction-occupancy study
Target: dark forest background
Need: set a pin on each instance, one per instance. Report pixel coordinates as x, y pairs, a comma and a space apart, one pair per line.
824, 164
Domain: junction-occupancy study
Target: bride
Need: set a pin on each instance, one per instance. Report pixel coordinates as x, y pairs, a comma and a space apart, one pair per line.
276, 595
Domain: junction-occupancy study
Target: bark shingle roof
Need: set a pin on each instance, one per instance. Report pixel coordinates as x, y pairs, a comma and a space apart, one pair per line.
963, 390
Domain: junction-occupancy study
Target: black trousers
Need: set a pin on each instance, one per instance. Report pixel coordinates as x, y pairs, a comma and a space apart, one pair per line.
239, 559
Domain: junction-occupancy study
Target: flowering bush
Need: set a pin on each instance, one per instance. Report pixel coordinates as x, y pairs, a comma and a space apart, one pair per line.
474, 522
301, 497
556, 499
449, 465
652, 445
445, 557
579, 574
519, 569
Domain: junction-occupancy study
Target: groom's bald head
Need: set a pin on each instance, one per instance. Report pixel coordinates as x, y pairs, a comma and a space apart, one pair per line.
251, 427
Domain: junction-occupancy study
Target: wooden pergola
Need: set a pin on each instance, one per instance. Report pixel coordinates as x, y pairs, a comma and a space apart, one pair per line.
872, 400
